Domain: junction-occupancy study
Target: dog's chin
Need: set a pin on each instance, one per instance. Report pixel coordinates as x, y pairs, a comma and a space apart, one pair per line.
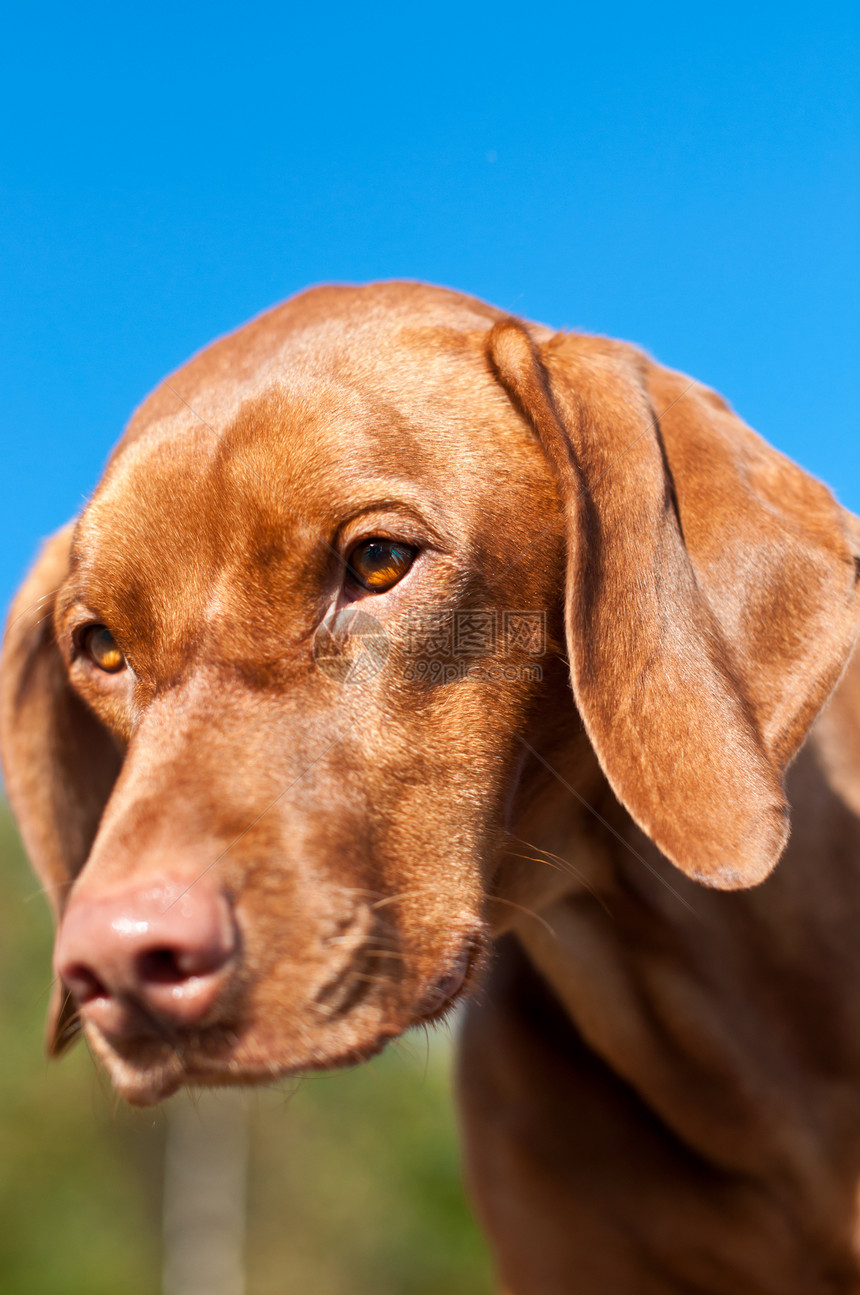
145, 1072
147, 1067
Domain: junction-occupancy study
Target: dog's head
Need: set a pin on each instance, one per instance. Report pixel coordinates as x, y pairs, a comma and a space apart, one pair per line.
271, 704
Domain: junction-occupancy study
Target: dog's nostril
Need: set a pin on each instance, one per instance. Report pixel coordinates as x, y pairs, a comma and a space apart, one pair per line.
174, 964
83, 984
161, 967
147, 952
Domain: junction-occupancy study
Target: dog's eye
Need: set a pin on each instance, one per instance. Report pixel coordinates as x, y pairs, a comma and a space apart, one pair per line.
100, 646
379, 564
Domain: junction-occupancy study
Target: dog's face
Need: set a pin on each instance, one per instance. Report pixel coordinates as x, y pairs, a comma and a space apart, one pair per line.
298, 625
307, 634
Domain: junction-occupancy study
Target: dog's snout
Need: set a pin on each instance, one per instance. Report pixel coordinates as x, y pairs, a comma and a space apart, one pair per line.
161, 952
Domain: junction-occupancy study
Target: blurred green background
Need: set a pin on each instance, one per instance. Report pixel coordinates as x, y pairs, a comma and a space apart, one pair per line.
353, 1180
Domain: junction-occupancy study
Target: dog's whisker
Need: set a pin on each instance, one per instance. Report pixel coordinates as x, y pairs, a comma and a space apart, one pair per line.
394, 899
539, 849
561, 865
46, 891
626, 844
35, 605
529, 912
522, 908
358, 890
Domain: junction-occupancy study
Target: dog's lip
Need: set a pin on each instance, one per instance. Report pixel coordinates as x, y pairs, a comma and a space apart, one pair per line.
148, 1064
452, 985
120, 1020
147, 1069
145, 1081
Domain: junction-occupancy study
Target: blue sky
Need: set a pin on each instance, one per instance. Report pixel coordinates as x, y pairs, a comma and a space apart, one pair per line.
687, 177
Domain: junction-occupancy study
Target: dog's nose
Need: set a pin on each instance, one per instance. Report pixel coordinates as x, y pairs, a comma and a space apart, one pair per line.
161, 952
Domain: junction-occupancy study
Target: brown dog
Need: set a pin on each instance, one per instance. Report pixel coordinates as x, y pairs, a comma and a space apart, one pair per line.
288, 726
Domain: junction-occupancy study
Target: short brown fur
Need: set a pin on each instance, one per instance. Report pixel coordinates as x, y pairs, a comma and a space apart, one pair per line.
660, 1080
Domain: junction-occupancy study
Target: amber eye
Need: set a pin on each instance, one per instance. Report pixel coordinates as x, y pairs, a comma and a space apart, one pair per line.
379, 564
100, 646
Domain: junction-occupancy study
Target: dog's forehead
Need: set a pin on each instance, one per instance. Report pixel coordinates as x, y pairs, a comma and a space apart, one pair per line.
269, 461
400, 337
304, 449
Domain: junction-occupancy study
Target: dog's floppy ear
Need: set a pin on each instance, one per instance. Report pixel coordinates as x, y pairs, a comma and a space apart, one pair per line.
59, 761
712, 596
